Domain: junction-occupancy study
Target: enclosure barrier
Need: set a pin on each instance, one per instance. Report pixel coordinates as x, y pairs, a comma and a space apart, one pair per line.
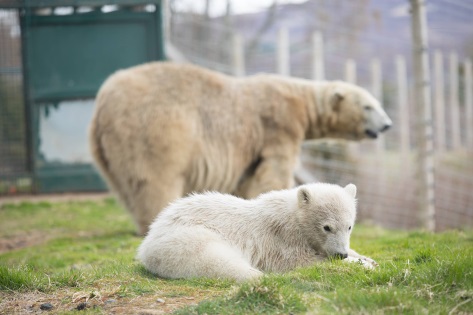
386, 170
55, 54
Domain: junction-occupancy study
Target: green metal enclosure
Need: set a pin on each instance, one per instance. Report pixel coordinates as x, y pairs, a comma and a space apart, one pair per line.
69, 49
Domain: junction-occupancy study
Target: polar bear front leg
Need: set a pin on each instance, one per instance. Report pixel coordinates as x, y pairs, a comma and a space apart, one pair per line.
273, 173
365, 261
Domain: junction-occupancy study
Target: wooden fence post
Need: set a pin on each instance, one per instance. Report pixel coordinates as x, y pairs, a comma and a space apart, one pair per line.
350, 71
377, 90
350, 76
439, 101
379, 144
468, 103
422, 90
283, 52
402, 99
238, 56
166, 9
318, 70
454, 106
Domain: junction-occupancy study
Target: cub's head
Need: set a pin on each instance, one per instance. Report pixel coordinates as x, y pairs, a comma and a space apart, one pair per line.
327, 214
350, 112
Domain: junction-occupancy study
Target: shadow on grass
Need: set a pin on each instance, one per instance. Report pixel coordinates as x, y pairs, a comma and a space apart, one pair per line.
141, 271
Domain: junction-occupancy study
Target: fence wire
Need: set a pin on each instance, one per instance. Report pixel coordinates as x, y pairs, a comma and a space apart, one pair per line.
14, 176
385, 171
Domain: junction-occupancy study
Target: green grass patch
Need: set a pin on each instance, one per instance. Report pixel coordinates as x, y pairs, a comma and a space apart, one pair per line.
71, 252
270, 295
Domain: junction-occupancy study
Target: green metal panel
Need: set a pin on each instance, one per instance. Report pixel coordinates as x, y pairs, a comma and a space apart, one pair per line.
70, 56
65, 178
21, 4
67, 57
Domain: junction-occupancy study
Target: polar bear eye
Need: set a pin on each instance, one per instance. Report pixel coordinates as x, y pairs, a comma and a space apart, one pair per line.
367, 108
349, 228
327, 228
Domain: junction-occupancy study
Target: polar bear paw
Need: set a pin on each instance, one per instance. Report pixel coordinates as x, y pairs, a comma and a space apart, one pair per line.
364, 261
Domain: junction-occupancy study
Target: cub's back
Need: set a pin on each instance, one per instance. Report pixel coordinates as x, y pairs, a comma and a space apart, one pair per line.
207, 208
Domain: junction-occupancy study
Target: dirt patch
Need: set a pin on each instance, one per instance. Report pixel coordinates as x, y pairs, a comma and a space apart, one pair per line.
67, 300
23, 240
54, 197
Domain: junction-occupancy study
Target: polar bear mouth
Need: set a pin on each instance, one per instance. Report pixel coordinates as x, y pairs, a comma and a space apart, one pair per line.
371, 134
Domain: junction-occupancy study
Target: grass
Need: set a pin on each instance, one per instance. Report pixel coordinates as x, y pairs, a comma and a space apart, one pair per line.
69, 253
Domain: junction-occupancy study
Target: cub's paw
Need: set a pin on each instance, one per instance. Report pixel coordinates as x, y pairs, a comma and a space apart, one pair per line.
364, 261
369, 261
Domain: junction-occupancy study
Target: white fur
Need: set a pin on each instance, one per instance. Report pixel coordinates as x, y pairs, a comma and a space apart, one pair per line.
223, 236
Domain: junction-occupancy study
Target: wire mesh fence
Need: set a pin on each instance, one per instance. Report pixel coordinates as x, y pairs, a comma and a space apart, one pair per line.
50, 69
14, 176
372, 49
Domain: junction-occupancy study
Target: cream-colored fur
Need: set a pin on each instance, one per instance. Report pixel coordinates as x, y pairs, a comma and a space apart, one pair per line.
218, 235
163, 130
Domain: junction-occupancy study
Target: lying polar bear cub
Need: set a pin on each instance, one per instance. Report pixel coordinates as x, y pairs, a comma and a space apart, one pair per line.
222, 236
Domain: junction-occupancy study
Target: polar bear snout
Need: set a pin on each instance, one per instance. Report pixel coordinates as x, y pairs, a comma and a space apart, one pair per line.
377, 121
374, 134
375, 118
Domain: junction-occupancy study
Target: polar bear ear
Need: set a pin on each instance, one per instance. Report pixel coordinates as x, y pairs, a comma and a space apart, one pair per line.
337, 98
351, 189
303, 195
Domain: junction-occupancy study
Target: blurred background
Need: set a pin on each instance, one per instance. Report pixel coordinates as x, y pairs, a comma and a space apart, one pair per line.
54, 54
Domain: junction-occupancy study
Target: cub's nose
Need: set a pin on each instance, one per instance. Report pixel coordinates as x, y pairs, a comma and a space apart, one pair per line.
340, 256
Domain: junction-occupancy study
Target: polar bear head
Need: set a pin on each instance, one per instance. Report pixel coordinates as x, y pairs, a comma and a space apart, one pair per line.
351, 112
326, 216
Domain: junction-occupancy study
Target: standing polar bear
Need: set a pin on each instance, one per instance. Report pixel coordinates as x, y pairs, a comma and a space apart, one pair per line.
222, 236
163, 130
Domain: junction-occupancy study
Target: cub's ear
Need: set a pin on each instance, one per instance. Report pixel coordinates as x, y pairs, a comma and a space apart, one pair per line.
351, 189
304, 197
337, 98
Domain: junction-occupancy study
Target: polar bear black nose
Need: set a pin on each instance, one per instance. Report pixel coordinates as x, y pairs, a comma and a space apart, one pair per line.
386, 127
340, 256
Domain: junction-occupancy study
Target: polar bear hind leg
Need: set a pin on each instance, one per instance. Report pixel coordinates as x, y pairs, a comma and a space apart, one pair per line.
152, 198
195, 252
224, 261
